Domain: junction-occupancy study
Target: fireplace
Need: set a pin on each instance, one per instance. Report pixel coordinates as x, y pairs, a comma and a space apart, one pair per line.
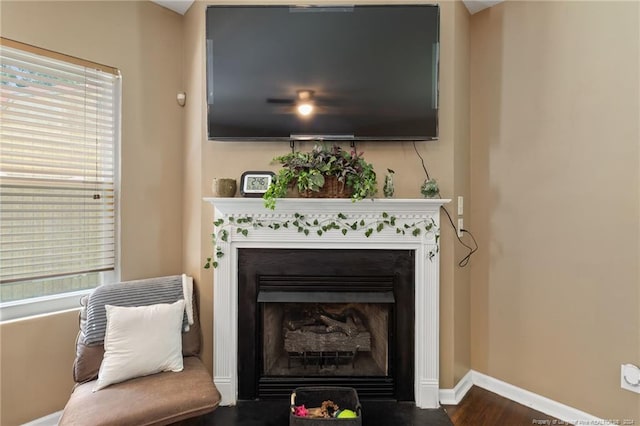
325, 317
407, 228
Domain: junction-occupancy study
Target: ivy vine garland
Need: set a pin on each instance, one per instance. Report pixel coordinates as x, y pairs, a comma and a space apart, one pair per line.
243, 224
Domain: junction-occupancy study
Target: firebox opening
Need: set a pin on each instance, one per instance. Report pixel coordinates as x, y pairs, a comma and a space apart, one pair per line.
325, 339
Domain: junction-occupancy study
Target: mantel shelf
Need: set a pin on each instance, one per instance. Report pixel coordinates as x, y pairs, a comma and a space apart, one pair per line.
327, 205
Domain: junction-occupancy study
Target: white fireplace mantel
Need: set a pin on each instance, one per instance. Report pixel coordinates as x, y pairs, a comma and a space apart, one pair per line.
404, 211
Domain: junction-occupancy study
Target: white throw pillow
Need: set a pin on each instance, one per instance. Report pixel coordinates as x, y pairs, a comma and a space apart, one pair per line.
141, 340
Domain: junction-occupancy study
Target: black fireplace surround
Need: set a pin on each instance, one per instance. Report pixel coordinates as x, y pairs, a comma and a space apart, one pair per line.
306, 276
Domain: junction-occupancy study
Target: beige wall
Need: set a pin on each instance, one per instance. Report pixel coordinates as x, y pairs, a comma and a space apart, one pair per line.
462, 187
144, 41
554, 121
207, 159
35, 366
554, 111
555, 186
168, 163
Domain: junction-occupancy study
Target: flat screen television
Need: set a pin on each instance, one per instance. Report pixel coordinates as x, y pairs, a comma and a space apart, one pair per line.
364, 72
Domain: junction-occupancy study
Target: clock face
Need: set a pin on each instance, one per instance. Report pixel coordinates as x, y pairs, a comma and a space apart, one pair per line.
257, 183
254, 184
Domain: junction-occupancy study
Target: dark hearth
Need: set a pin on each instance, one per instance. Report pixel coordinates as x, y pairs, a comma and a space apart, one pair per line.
325, 317
276, 413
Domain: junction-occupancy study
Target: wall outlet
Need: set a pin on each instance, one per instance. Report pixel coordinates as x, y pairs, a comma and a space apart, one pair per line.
460, 205
630, 377
460, 226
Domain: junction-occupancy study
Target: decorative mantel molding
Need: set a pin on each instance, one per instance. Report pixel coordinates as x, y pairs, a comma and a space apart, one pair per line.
404, 212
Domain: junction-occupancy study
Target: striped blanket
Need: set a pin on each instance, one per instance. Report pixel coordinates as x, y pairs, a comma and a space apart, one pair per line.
130, 293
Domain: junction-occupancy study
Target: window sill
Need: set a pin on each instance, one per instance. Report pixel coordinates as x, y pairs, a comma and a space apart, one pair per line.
41, 305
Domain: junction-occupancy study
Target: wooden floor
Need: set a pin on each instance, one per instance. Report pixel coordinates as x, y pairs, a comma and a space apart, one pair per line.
480, 407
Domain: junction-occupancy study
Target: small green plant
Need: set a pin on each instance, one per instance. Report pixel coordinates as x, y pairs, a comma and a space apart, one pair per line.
340, 223
308, 171
430, 188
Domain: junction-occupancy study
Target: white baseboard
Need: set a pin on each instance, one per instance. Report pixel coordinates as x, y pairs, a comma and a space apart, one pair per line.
537, 402
521, 396
50, 420
455, 395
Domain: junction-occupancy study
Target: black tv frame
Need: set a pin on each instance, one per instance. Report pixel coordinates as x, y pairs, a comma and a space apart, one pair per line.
297, 137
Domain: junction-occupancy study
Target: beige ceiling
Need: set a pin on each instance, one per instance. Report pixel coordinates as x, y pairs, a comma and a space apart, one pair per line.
181, 6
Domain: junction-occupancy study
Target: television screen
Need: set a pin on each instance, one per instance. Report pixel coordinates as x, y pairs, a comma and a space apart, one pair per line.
358, 72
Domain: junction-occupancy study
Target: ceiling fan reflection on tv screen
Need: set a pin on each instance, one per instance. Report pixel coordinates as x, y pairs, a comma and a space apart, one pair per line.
305, 103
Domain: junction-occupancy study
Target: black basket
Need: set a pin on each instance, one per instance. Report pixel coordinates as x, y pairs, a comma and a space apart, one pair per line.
314, 396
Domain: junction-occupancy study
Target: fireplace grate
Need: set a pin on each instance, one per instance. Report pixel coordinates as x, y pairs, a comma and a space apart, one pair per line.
323, 359
367, 387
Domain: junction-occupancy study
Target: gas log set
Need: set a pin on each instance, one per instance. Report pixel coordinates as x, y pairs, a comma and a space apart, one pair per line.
325, 336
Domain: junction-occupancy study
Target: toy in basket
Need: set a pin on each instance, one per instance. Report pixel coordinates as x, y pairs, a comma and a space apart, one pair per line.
322, 405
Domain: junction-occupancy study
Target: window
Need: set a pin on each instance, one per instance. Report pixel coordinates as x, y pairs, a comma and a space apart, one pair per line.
59, 134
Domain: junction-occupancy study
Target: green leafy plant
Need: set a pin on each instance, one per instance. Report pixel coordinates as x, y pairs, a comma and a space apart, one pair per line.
339, 223
308, 171
430, 188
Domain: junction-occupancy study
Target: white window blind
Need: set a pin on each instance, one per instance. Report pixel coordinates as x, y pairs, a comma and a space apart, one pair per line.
58, 140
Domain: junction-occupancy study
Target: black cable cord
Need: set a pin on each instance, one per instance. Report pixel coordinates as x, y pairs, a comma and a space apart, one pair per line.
424, 167
465, 260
